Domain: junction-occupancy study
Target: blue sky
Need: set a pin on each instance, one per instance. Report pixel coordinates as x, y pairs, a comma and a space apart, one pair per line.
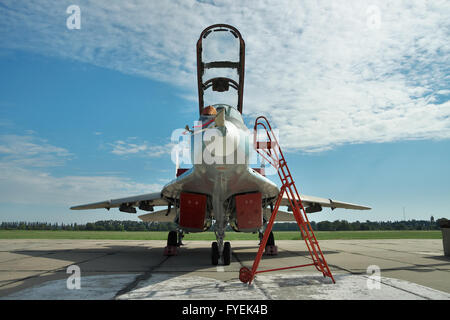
362, 108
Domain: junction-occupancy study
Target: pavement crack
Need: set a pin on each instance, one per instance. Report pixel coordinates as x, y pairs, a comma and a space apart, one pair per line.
142, 277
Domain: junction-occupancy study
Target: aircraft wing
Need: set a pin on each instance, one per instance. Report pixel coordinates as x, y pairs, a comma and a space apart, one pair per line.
158, 216
148, 199
316, 202
282, 216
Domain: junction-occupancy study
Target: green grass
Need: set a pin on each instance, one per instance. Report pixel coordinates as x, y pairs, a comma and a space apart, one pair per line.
209, 236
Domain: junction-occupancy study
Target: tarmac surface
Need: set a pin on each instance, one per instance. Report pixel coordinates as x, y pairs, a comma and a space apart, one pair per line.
128, 269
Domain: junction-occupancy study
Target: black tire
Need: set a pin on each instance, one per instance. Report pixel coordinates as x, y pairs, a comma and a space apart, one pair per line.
214, 254
172, 239
270, 240
227, 253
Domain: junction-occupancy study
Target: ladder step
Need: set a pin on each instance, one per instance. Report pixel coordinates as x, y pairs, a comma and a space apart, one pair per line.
264, 145
279, 163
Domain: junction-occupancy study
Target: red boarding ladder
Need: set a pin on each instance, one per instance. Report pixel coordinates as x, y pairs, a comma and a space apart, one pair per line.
270, 150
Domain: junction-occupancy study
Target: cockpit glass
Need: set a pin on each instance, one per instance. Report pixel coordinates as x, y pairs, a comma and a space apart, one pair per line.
220, 47
230, 111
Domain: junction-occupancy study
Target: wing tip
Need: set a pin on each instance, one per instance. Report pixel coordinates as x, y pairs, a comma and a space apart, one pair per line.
361, 208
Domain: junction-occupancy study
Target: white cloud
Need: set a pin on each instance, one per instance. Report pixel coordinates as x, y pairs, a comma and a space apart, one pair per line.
31, 151
25, 178
23, 186
322, 71
122, 148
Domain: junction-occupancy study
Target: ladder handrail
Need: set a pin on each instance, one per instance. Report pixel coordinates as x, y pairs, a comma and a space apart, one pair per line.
298, 210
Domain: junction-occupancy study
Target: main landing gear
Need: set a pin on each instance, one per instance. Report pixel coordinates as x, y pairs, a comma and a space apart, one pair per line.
215, 253
219, 250
271, 249
172, 244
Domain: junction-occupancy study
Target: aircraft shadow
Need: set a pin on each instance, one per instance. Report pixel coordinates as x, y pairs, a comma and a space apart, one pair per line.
140, 260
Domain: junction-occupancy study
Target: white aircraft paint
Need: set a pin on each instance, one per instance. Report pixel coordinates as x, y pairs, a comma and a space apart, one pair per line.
427, 253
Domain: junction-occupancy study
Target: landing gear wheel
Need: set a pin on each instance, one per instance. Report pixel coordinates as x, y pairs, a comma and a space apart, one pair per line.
171, 248
270, 240
215, 253
226, 253
172, 239
271, 249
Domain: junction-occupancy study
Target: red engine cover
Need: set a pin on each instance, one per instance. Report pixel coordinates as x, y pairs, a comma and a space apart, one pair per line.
249, 211
192, 210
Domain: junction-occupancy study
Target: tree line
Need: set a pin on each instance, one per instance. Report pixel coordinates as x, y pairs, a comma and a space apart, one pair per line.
343, 225
114, 225
108, 225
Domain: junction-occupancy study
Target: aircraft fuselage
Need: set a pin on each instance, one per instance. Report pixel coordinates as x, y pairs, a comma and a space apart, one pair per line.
221, 175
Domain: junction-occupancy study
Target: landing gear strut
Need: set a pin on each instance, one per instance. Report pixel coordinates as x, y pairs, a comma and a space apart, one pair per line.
180, 238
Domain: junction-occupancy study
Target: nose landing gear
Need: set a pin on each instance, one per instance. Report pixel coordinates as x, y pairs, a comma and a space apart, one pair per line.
215, 253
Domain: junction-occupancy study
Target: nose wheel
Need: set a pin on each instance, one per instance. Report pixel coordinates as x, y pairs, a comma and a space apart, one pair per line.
226, 255
215, 253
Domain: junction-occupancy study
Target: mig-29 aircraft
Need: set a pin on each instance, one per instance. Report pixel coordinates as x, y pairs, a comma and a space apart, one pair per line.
221, 188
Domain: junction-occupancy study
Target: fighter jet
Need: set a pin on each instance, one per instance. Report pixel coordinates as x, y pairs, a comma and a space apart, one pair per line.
221, 188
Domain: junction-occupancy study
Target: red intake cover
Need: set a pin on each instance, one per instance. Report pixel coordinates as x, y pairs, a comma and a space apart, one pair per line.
261, 171
249, 211
192, 210
181, 171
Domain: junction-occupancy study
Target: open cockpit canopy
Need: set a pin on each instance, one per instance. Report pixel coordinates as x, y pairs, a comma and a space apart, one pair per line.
220, 67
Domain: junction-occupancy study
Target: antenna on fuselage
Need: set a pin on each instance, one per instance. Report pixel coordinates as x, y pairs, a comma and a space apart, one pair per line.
177, 161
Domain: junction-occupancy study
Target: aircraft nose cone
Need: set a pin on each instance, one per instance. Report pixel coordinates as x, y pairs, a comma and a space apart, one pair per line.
222, 140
